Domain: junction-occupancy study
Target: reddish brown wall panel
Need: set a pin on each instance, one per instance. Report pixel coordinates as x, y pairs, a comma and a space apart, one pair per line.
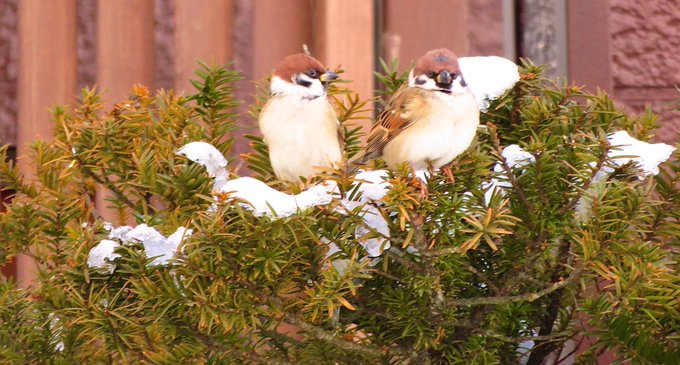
279, 31
588, 40
125, 46
8, 70
47, 77
203, 31
344, 35
125, 56
412, 28
645, 62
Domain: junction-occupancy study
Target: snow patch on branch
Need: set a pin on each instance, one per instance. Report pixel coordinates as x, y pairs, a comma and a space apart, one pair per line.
515, 157
210, 157
625, 149
262, 199
102, 255
155, 244
488, 77
373, 221
648, 156
372, 185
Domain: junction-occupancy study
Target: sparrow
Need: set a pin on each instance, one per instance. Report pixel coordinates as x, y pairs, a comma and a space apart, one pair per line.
298, 122
430, 120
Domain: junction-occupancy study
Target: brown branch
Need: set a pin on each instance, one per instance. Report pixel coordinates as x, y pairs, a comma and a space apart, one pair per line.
552, 337
481, 276
323, 335
548, 319
530, 297
106, 182
398, 256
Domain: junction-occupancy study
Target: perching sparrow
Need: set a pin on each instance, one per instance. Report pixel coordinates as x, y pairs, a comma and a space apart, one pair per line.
432, 119
298, 122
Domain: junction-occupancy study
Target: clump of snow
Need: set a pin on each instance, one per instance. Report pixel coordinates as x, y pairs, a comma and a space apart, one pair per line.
515, 157
373, 184
208, 156
647, 156
155, 244
488, 77
373, 220
339, 265
262, 199
102, 255
117, 233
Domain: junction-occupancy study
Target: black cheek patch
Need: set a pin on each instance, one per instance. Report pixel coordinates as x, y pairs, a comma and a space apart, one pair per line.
419, 81
302, 82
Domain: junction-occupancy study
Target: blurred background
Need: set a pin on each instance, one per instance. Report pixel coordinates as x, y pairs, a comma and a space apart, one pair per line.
51, 49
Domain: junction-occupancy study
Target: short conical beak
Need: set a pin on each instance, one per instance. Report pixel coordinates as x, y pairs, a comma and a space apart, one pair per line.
328, 76
444, 77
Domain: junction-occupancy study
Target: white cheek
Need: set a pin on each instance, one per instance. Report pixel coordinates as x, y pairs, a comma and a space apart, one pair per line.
280, 87
429, 84
457, 87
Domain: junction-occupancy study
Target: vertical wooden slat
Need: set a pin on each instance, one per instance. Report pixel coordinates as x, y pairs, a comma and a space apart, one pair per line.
125, 46
344, 35
278, 32
588, 42
125, 56
47, 77
414, 27
203, 31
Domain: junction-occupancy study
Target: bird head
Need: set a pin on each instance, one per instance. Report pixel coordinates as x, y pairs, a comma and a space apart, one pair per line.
438, 70
301, 75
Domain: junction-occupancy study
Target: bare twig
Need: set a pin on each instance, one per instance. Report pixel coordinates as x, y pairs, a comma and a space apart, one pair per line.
575, 274
323, 335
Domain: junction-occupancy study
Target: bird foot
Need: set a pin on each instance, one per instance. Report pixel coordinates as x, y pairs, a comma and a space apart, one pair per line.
449, 175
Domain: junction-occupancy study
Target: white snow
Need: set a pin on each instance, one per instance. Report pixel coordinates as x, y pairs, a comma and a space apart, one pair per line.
373, 220
56, 328
647, 156
208, 156
340, 265
118, 233
373, 184
515, 156
262, 199
488, 77
102, 255
155, 244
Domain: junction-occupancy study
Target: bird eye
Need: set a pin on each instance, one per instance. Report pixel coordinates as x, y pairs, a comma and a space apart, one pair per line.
430, 74
312, 73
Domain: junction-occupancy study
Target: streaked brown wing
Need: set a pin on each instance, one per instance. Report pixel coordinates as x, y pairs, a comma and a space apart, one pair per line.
396, 117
